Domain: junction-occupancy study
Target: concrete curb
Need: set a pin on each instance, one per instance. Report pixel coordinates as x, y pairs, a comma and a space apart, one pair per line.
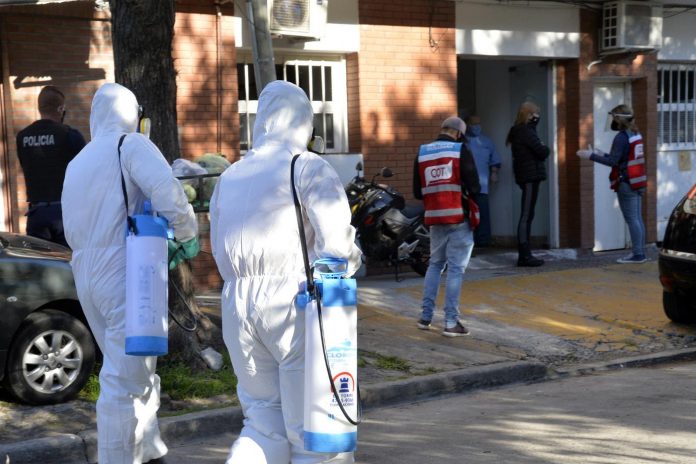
685, 354
73, 449
63, 448
418, 388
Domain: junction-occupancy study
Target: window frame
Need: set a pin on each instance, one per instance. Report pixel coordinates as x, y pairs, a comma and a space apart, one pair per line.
684, 108
337, 106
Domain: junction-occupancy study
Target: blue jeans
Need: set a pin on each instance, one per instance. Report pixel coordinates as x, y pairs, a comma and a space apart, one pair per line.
450, 244
630, 204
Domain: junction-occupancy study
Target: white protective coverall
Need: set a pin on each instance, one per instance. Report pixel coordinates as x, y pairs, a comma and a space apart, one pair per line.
256, 244
94, 218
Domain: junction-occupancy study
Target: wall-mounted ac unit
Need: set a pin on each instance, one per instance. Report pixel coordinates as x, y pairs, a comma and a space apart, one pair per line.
297, 18
630, 26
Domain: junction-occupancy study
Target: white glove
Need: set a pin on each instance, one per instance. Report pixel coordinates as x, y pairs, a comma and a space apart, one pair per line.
584, 154
596, 151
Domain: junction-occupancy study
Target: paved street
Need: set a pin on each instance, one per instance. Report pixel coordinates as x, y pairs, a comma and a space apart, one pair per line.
634, 416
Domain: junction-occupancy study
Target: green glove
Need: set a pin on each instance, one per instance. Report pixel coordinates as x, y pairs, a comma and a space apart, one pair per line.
191, 248
180, 251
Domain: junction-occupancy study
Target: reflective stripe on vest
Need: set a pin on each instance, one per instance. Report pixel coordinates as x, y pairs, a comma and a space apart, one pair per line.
438, 169
635, 167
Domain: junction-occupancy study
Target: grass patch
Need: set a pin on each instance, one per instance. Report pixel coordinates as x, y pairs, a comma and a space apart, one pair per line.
90, 392
391, 363
179, 381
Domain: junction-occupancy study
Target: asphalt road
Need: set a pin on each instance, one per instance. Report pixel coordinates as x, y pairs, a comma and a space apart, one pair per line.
642, 415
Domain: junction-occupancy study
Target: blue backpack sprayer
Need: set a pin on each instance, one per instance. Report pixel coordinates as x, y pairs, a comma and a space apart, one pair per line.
147, 279
332, 395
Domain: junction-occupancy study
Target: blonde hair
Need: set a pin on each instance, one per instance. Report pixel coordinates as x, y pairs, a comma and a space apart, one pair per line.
624, 122
525, 110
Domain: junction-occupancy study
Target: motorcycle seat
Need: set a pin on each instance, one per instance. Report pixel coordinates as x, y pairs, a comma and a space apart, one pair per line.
413, 210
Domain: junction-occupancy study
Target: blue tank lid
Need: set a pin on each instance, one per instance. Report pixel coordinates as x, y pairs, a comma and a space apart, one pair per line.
150, 226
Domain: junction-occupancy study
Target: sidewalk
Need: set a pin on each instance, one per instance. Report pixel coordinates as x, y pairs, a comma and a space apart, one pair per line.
573, 315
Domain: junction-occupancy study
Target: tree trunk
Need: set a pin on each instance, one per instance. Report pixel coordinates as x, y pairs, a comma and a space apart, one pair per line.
142, 32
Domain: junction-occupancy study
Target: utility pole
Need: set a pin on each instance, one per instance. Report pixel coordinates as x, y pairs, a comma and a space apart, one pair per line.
264, 65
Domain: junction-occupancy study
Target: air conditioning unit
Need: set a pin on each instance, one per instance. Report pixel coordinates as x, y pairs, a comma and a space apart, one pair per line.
630, 26
297, 18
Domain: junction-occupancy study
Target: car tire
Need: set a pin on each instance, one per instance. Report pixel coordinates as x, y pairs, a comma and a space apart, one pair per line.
51, 358
679, 308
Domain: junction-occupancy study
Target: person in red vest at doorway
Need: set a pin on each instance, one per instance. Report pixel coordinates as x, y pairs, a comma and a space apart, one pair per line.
628, 177
443, 172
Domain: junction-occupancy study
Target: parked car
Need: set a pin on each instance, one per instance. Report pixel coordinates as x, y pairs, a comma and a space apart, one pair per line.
47, 351
677, 261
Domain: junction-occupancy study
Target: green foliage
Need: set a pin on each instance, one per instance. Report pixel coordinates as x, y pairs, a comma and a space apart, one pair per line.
392, 363
179, 381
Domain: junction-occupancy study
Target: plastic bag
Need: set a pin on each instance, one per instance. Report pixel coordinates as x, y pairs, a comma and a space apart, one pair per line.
213, 163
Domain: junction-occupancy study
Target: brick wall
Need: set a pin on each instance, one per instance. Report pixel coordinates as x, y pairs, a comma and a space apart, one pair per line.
400, 86
49, 45
575, 93
69, 45
205, 59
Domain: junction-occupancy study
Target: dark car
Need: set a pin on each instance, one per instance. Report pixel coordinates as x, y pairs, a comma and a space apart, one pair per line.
677, 261
46, 349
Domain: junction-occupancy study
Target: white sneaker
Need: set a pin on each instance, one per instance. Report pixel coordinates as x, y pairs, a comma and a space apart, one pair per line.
632, 259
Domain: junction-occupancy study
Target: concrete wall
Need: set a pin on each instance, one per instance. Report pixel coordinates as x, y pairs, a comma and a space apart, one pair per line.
342, 33
678, 37
525, 29
675, 167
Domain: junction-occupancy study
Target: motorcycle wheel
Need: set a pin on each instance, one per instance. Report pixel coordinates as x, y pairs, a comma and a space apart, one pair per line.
420, 258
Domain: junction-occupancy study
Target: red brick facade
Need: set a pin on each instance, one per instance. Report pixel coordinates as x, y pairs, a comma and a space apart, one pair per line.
400, 85
69, 46
575, 81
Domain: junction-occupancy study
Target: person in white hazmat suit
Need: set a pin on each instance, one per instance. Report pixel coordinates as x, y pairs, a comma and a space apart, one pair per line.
94, 217
256, 245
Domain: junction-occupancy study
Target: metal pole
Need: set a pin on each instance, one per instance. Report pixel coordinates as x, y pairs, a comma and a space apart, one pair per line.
264, 65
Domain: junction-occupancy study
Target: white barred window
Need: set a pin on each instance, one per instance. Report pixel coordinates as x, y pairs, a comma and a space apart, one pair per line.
676, 105
324, 82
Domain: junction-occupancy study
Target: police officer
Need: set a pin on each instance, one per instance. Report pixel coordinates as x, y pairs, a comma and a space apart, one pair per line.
45, 148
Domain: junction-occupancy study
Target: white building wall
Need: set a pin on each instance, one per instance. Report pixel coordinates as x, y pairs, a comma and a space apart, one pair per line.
678, 37
676, 173
342, 33
676, 168
526, 29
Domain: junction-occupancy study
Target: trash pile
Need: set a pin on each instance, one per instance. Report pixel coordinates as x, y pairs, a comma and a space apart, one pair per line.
199, 177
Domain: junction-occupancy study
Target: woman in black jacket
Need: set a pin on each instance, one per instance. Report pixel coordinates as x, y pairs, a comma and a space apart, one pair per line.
529, 165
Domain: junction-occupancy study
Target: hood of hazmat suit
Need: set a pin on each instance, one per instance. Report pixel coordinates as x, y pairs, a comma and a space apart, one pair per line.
94, 219
256, 245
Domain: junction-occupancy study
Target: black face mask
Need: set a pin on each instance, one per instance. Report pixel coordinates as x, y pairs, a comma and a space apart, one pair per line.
615, 126
534, 120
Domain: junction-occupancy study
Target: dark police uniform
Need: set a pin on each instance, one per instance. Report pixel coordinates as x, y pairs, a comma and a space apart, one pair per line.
45, 148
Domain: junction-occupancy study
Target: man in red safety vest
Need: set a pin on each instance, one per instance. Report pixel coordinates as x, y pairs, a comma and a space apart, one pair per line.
444, 175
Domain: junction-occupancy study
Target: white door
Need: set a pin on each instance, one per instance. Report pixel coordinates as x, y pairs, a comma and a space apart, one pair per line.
610, 227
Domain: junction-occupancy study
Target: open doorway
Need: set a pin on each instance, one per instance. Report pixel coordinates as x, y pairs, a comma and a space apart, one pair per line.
494, 89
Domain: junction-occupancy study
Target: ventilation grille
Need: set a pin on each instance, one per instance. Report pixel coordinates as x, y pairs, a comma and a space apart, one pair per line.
290, 16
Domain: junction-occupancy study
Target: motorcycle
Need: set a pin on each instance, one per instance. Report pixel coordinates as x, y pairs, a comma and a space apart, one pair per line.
387, 229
